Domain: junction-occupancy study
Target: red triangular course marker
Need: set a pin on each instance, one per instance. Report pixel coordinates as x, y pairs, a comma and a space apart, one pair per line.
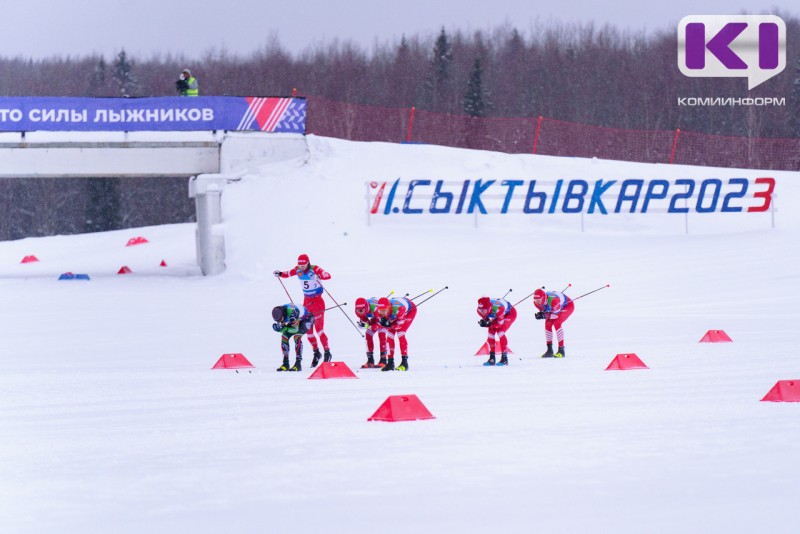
232, 361
484, 350
29, 259
136, 241
124, 270
715, 336
401, 408
624, 362
332, 370
162, 264
784, 391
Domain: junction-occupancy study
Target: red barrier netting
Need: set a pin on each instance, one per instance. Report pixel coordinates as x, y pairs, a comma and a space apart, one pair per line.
357, 122
514, 136
560, 138
739, 152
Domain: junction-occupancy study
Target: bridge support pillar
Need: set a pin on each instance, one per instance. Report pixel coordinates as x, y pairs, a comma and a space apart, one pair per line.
206, 189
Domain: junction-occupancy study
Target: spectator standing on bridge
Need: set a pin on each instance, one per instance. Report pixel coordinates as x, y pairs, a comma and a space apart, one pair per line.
187, 84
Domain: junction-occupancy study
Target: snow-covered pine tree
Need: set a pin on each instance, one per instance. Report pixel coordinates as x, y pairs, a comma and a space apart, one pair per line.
124, 76
439, 79
475, 97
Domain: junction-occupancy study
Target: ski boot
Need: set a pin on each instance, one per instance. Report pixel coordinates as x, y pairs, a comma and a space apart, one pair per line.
503, 359
382, 361
317, 357
328, 355
403, 365
561, 352
549, 352
490, 361
285, 365
297, 365
370, 362
389, 365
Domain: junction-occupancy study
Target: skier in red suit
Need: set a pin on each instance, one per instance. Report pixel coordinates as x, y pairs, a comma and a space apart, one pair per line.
555, 308
396, 315
497, 315
309, 276
368, 318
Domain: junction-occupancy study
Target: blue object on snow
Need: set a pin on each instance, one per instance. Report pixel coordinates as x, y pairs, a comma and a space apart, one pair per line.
70, 276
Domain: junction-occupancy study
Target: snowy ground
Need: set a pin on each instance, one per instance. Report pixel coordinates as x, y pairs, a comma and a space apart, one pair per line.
112, 420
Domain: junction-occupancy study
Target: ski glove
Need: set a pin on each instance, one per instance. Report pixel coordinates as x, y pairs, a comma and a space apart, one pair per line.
385, 321
539, 315
277, 274
362, 324
485, 323
276, 327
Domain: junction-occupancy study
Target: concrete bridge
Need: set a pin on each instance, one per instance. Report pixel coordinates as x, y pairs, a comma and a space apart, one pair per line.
210, 160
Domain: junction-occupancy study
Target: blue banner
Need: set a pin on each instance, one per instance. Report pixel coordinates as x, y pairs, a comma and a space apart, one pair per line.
268, 114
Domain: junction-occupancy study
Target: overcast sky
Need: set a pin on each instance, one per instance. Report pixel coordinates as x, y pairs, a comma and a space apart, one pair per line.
45, 28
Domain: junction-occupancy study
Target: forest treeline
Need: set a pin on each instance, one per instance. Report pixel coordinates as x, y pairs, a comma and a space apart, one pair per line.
573, 72
579, 73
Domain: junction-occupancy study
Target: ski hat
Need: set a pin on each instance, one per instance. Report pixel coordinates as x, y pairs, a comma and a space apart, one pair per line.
277, 314
302, 260
186, 71
484, 304
383, 304
361, 303
539, 296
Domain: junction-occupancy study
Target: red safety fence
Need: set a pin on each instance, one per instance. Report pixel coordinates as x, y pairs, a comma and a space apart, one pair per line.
539, 135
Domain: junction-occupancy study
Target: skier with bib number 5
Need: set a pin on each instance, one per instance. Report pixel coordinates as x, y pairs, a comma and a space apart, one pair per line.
309, 276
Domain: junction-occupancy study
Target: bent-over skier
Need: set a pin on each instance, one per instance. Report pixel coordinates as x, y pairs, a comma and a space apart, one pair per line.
497, 315
396, 315
368, 318
292, 321
555, 308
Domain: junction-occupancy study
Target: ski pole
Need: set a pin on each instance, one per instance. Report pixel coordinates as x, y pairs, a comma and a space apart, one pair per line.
390, 294
590, 292
523, 298
337, 306
568, 286
507, 292
287, 293
429, 298
418, 296
340, 308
